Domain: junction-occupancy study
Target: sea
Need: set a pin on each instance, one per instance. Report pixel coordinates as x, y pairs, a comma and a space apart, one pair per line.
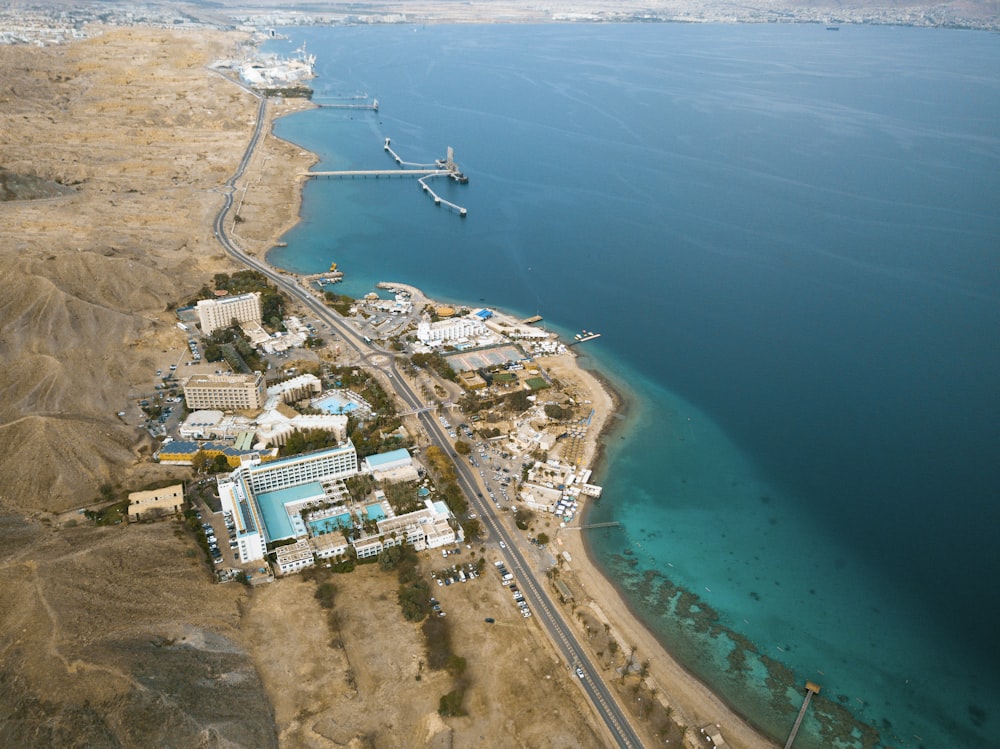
789, 240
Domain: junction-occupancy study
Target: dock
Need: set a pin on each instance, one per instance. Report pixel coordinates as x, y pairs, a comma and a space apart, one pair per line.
532, 319
378, 173
583, 336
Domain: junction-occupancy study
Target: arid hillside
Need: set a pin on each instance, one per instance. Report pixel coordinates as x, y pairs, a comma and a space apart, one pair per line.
145, 135
110, 636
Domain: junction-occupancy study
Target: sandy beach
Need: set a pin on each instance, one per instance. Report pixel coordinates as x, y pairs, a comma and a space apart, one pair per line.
693, 704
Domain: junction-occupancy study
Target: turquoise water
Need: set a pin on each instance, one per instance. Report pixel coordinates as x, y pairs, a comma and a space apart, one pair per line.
375, 512
789, 241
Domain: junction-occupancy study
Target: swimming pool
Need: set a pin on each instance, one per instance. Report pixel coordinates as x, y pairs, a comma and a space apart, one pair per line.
330, 525
334, 404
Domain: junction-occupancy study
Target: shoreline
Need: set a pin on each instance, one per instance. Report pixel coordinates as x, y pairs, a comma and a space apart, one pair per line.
693, 702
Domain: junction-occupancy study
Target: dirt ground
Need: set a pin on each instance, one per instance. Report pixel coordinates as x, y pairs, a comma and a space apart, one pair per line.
114, 637
364, 682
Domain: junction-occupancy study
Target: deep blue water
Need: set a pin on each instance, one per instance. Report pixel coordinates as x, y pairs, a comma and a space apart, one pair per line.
790, 240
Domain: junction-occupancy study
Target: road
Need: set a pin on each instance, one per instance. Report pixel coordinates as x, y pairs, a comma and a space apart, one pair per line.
535, 592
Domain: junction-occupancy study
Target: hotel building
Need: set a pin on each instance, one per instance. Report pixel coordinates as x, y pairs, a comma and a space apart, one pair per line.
220, 313
461, 328
256, 494
228, 392
269, 503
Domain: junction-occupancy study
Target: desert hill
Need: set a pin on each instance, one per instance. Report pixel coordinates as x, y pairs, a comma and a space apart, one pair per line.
145, 135
110, 636
90, 658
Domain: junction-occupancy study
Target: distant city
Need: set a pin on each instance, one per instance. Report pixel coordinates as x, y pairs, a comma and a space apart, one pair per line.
61, 22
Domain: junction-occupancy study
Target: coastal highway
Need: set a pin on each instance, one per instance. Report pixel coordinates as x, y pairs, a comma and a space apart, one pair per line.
534, 591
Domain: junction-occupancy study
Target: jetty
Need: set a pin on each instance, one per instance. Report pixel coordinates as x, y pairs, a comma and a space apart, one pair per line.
446, 167
532, 319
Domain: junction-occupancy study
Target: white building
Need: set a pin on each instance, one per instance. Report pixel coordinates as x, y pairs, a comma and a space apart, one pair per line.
273, 428
429, 528
457, 329
244, 492
220, 313
296, 389
293, 557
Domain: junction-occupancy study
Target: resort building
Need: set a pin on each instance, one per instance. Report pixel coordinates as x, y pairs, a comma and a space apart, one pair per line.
459, 329
274, 428
266, 499
214, 314
293, 557
155, 502
295, 389
226, 392
304, 497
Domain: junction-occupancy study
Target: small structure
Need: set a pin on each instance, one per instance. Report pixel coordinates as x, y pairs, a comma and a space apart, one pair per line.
294, 557
564, 592
155, 502
714, 735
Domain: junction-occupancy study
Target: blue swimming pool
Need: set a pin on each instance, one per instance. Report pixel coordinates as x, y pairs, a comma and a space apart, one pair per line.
334, 404
330, 525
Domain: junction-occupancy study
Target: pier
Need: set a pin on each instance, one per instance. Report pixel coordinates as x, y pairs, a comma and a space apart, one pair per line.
583, 336
353, 103
445, 167
609, 524
811, 689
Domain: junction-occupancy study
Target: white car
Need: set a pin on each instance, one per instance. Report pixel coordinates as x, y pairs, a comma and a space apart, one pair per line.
579, 672
503, 545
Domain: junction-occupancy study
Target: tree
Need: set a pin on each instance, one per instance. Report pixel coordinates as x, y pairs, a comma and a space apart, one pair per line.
450, 704
462, 447
543, 538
